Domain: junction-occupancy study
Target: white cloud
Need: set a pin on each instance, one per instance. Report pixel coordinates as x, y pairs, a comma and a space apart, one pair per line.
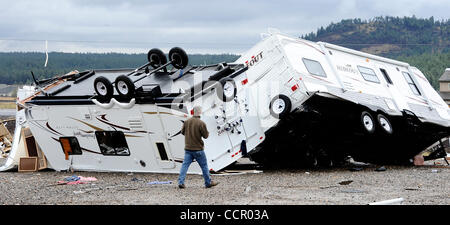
198, 26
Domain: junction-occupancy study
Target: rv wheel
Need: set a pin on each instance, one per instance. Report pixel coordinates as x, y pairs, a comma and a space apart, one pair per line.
227, 90
178, 57
280, 106
125, 87
367, 122
103, 88
156, 58
384, 123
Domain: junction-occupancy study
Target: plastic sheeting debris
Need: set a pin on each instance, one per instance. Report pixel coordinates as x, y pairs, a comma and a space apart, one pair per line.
76, 180
159, 182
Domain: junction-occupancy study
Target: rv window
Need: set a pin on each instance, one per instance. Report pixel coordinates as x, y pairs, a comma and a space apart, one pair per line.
70, 145
386, 76
112, 143
411, 83
162, 151
368, 74
314, 67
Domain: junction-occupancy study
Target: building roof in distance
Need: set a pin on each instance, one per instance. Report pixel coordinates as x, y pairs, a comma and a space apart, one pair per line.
446, 75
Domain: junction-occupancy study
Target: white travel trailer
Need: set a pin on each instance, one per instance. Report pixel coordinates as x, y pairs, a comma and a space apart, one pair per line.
286, 101
130, 120
336, 101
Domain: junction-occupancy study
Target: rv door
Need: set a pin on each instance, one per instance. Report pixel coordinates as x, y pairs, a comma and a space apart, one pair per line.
172, 118
158, 137
397, 103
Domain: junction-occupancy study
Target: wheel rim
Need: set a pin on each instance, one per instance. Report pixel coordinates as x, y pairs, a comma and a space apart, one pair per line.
278, 106
385, 124
177, 59
122, 87
101, 88
368, 123
155, 59
228, 89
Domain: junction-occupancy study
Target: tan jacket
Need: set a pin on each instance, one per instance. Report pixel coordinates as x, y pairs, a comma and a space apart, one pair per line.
193, 130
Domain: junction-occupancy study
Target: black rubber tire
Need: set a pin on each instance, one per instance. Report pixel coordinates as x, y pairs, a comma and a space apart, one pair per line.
179, 57
287, 106
364, 125
122, 83
220, 90
156, 57
381, 117
103, 88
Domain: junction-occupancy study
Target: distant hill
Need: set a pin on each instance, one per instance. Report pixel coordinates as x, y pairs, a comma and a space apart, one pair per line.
388, 36
424, 43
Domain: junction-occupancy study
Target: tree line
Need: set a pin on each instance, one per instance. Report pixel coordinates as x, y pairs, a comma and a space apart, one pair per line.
15, 67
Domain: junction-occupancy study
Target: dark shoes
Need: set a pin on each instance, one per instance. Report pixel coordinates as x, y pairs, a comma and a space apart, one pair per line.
212, 184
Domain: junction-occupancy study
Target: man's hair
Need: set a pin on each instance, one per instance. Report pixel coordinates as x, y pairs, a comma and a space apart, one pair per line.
197, 110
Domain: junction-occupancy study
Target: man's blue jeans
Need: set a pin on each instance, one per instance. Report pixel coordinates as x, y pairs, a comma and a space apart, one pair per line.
200, 157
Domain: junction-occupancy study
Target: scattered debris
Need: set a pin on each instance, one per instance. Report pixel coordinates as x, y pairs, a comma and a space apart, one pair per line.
353, 191
87, 179
70, 182
356, 169
380, 169
325, 187
235, 172
352, 162
72, 178
395, 201
128, 189
418, 160
346, 182
5, 140
76, 180
307, 173
136, 179
412, 189
435, 171
160, 182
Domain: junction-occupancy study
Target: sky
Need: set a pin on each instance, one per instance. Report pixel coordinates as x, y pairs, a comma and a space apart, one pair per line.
203, 26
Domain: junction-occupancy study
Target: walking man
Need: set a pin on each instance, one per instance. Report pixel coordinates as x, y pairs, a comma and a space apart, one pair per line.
193, 130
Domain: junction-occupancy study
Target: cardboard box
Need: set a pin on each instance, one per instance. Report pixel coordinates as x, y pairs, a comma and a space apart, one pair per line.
28, 164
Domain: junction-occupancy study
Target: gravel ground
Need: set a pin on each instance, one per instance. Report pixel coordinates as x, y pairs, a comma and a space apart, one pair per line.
424, 185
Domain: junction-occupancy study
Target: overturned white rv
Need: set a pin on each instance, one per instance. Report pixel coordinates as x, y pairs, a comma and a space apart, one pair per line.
286, 100
130, 119
334, 102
